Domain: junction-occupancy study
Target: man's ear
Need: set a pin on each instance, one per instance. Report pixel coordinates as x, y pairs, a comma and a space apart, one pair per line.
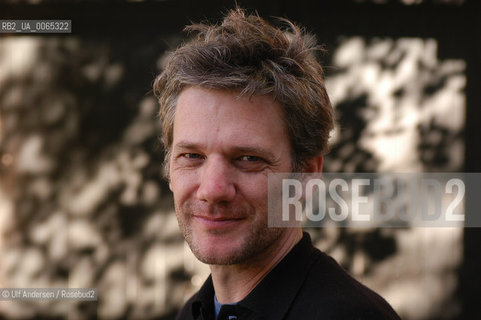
314, 165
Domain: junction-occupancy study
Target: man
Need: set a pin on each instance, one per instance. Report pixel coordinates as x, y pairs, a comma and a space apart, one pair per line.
241, 100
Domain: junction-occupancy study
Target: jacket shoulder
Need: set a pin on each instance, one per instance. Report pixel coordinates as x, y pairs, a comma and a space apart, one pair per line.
331, 293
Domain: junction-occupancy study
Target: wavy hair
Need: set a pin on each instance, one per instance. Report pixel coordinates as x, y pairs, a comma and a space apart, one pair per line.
246, 53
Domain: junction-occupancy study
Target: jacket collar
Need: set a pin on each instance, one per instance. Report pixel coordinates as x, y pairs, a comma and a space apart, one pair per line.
272, 297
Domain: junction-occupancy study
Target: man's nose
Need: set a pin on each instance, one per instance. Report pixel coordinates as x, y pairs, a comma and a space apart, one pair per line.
216, 183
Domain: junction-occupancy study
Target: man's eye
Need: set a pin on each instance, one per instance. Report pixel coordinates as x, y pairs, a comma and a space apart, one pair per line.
192, 155
250, 158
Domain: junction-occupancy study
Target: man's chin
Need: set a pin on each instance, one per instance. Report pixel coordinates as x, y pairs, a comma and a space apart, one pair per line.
218, 252
217, 260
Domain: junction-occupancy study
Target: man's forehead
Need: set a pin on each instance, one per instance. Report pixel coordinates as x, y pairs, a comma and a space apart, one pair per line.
225, 106
193, 93
207, 118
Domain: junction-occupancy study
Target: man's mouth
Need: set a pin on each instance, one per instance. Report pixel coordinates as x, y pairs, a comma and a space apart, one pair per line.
217, 222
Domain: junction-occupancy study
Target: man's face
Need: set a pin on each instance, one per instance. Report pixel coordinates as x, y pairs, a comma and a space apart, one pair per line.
223, 149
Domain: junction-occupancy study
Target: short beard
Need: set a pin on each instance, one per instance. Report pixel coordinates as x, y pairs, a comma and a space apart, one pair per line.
260, 238
255, 244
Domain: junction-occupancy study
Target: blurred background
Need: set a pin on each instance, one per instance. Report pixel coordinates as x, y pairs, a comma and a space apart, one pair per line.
82, 201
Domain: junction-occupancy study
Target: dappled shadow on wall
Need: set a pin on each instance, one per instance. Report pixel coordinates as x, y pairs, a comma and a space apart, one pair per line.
399, 109
82, 203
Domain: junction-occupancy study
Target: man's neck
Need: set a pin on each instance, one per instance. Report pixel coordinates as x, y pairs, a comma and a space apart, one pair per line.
233, 283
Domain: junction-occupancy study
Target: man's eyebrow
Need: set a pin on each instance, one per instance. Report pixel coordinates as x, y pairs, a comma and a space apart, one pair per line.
245, 150
188, 145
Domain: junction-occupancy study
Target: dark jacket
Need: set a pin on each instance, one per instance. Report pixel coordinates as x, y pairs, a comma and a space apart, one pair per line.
306, 284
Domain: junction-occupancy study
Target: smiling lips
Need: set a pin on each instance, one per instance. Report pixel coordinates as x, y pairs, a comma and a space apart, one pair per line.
217, 222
